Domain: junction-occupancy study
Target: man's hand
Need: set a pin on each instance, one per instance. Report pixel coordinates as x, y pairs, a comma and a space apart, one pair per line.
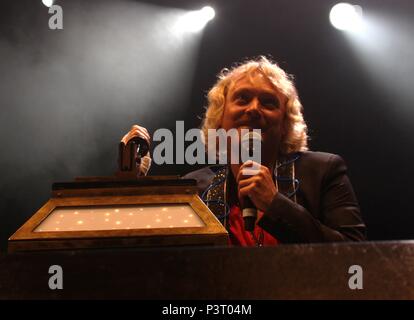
260, 186
136, 131
145, 162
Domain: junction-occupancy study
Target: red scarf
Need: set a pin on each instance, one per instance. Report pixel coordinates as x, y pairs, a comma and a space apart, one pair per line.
240, 237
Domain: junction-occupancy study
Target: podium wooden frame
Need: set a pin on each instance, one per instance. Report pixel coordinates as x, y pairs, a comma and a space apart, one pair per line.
104, 192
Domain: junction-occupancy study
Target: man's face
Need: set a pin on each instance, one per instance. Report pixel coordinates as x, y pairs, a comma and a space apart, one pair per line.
253, 103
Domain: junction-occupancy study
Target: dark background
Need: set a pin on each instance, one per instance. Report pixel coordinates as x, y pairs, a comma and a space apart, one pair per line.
68, 96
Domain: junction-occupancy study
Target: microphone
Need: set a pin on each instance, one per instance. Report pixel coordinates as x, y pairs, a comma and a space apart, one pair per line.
249, 211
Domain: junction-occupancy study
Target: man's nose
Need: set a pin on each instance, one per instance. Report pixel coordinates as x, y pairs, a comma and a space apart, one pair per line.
253, 108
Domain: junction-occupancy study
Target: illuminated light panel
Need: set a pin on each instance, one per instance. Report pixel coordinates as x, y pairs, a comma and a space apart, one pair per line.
127, 217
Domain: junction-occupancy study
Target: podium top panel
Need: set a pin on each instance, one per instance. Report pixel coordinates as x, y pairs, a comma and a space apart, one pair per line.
105, 186
110, 182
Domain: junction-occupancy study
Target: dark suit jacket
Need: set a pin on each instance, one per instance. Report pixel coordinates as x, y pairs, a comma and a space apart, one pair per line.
326, 208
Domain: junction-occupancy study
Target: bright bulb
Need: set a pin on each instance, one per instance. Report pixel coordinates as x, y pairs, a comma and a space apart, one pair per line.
47, 3
208, 13
194, 21
347, 17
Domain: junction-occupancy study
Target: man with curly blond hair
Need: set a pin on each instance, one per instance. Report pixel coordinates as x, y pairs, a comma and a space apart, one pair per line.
300, 196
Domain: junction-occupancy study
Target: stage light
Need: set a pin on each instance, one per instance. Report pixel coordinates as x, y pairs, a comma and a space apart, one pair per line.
47, 3
208, 13
346, 17
194, 21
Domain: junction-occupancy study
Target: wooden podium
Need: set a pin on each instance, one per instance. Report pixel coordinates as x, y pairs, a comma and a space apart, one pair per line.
151, 211
124, 210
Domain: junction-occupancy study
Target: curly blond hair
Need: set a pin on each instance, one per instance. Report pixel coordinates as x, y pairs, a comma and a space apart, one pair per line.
295, 138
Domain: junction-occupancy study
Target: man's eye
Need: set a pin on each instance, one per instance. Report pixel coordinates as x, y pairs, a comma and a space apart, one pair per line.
242, 99
270, 102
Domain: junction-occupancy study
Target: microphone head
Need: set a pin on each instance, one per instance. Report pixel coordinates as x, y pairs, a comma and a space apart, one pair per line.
250, 139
